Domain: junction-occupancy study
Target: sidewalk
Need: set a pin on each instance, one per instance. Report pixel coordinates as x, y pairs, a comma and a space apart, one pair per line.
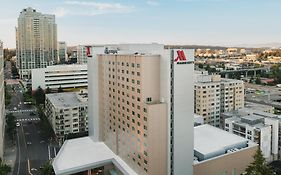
10, 153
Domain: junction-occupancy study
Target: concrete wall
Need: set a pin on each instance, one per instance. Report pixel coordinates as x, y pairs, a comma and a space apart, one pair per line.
229, 164
183, 115
157, 139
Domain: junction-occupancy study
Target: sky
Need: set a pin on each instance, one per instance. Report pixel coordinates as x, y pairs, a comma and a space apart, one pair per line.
200, 22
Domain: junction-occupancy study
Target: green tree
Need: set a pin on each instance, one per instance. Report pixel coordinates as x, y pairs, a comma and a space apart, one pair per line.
48, 90
258, 166
258, 80
39, 96
11, 125
60, 89
4, 168
47, 169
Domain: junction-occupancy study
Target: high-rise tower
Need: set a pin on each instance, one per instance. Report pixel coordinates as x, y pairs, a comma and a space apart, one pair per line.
36, 39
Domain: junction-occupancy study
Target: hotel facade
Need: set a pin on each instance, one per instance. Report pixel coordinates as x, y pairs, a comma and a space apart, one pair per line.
141, 108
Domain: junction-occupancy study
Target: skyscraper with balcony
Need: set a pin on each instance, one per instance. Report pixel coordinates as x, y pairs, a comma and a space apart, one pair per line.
2, 100
36, 41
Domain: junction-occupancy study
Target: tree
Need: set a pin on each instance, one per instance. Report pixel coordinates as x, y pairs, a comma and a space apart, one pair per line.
60, 89
258, 166
11, 125
47, 169
4, 168
258, 80
39, 96
48, 90
201, 66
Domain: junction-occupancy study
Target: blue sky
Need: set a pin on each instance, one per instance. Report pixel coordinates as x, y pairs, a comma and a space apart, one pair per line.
212, 22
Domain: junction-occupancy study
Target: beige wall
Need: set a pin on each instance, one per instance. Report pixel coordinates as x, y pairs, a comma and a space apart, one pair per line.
227, 164
128, 126
157, 139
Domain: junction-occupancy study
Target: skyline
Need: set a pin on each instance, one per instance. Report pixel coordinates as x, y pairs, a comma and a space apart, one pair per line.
200, 22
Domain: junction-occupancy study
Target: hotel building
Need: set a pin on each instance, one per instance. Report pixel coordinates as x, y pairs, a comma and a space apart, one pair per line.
140, 113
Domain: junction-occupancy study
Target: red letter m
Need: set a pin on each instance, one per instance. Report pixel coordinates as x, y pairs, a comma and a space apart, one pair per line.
88, 51
180, 56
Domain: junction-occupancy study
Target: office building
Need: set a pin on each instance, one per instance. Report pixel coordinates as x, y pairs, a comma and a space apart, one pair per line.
215, 95
72, 76
140, 113
67, 113
36, 41
258, 126
62, 52
2, 100
217, 152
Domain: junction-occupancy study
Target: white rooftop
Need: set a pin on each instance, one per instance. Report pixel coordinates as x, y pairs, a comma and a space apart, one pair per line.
82, 154
211, 141
65, 100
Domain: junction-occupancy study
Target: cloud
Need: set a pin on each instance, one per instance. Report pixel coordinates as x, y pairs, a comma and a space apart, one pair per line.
83, 8
152, 3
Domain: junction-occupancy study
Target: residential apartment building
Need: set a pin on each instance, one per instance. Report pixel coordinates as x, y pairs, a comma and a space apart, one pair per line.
260, 127
36, 41
2, 100
67, 113
62, 52
217, 152
215, 95
140, 113
64, 76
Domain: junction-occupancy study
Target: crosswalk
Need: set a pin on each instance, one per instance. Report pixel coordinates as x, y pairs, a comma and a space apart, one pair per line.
27, 119
26, 110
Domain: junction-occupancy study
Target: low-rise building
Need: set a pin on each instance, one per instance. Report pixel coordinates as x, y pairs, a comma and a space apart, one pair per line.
218, 152
258, 126
64, 76
67, 113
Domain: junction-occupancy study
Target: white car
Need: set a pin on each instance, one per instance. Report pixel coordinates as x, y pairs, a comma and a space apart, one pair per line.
18, 124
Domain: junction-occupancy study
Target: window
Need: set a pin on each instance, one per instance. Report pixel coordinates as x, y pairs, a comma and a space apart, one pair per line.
145, 161
145, 110
138, 65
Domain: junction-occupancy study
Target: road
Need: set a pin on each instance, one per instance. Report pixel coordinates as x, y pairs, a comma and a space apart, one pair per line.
32, 149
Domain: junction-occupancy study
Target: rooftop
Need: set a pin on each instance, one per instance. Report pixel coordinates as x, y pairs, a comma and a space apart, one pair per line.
65, 100
82, 154
211, 142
